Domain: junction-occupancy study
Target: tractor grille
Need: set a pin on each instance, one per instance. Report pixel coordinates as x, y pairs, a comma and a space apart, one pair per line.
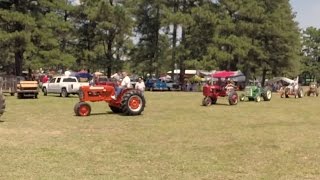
248, 91
80, 95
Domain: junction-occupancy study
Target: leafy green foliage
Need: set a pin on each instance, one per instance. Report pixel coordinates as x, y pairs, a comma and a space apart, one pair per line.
311, 61
258, 37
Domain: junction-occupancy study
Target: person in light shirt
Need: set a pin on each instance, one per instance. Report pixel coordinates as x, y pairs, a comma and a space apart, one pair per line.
125, 83
140, 85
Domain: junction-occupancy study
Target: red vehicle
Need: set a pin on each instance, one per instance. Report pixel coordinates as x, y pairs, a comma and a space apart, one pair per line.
214, 89
129, 102
104, 80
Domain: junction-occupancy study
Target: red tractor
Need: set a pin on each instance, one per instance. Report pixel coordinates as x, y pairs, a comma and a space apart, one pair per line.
214, 89
129, 102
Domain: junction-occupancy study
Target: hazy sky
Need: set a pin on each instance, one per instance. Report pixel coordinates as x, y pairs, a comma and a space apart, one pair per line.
307, 12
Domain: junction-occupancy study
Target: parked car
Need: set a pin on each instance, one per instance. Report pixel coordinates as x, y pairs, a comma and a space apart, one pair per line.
63, 85
157, 84
104, 80
27, 89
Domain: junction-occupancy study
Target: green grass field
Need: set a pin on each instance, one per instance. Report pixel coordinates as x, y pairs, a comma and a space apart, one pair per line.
175, 138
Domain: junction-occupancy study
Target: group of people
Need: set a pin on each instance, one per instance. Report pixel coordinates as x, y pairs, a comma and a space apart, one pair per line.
124, 82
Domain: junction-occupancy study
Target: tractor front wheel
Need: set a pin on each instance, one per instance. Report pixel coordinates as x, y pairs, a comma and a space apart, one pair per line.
258, 99
267, 95
233, 98
133, 103
207, 101
2, 104
242, 97
82, 109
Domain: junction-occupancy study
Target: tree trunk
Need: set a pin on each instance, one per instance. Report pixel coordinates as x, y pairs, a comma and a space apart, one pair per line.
181, 59
18, 58
264, 73
110, 58
174, 42
156, 54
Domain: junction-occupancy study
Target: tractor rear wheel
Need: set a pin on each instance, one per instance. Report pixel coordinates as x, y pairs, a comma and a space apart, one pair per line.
233, 98
132, 103
286, 92
115, 109
214, 100
267, 94
82, 109
2, 104
207, 101
300, 92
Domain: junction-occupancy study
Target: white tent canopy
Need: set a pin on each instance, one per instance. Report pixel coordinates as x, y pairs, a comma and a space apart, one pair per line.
177, 71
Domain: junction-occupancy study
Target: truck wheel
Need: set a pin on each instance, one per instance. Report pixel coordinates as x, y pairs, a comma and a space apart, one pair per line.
82, 109
233, 98
2, 104
11, 94
115, 109
207, 101
64, 92
267, 95
132, 102
45, 91
20, 96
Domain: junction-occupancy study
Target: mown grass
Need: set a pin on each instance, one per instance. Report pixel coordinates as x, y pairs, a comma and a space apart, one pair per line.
175, 138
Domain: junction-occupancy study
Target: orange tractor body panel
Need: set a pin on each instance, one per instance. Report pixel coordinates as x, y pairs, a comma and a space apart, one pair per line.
97, 93
129, 101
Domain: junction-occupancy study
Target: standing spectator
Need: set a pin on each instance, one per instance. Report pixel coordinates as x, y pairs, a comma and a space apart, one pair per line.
140, 85
45, 79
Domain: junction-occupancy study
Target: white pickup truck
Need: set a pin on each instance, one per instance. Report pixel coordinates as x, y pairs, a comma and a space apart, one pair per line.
63, 85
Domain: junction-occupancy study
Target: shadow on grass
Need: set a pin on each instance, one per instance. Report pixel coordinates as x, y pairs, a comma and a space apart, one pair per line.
217, 104
108, 113
100, 114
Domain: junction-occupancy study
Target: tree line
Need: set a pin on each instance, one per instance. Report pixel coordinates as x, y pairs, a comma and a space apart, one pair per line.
258, 37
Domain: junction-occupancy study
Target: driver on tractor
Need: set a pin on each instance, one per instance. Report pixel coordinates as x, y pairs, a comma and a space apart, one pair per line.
125, 83
230, 86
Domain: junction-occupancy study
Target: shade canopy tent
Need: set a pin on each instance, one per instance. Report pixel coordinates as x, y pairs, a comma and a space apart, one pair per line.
287, 80
237, 76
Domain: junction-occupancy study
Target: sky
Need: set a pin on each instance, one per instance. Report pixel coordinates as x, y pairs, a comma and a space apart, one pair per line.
307, 12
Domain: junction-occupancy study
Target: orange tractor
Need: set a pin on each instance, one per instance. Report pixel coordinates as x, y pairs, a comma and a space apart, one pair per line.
129, 102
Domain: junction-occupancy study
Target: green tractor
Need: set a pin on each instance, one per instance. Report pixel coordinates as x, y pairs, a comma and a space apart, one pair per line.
255, 92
